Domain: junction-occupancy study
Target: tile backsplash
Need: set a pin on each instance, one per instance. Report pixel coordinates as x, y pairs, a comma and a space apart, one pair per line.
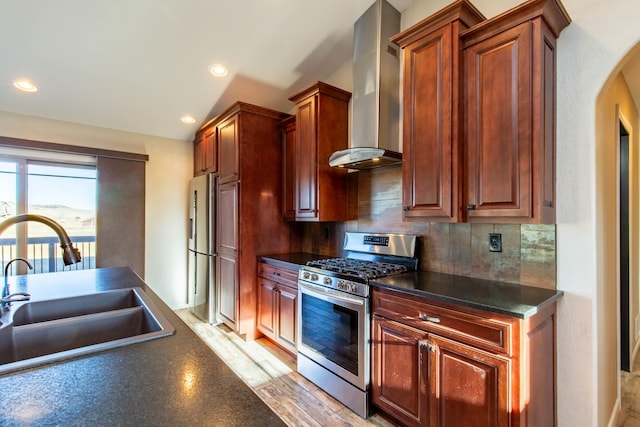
528, 254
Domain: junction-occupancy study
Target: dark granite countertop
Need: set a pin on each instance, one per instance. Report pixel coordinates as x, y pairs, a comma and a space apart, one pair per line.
175, 380
498, 297
292, 260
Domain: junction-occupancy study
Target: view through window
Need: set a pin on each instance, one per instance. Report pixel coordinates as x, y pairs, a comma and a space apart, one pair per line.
63, 192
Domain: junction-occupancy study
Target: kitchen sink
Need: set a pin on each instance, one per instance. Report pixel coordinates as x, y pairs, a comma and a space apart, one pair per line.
46, 331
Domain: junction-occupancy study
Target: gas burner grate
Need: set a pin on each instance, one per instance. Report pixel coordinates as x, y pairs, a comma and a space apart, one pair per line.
362, 269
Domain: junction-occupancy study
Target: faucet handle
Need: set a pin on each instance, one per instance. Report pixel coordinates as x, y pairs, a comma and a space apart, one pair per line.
18, 296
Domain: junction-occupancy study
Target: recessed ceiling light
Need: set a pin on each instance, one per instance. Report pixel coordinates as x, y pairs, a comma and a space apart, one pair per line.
218, 70
25, 86
188, 119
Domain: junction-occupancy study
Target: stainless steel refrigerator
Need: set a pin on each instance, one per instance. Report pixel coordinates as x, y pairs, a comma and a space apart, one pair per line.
201, 269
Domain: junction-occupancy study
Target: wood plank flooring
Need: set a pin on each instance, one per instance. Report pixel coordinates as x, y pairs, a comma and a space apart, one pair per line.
271, 373
629, 415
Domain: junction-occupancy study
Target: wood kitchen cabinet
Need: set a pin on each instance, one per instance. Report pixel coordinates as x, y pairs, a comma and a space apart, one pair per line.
321, 128
510, 77
228, 288
205, 152
248, 208
400, 371
479, 114
441, 364
277, 304
433, 167
288, 127
228, 149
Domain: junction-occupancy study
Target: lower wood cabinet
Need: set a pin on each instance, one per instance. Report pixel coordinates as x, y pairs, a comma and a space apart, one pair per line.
400, 371
436, 364
277, 304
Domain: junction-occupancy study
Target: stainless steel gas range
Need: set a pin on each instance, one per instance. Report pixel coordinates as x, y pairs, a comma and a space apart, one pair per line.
334, 314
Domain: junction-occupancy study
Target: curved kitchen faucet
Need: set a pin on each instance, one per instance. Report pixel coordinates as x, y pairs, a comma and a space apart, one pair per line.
7, 297
70, 255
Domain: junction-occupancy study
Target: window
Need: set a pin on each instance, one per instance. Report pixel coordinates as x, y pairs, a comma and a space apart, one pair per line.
62, 191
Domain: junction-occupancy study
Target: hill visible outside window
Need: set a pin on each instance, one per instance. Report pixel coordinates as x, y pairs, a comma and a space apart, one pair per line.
63, 192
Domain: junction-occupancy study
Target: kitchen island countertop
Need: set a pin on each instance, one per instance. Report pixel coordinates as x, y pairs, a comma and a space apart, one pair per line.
174, 380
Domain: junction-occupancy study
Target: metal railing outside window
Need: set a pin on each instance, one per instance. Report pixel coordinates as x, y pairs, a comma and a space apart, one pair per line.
45, 254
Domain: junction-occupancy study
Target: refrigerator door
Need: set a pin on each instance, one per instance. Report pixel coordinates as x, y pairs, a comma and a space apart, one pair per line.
201, 300
201, 261
200, 203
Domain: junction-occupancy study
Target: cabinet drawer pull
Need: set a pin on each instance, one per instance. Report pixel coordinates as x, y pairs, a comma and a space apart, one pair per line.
423, 316
275, 273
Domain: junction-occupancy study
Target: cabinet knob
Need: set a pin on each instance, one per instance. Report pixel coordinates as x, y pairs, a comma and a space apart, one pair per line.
428, 318
405, 208
471, 207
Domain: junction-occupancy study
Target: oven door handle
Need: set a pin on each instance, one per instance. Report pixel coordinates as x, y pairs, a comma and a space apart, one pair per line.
321, 291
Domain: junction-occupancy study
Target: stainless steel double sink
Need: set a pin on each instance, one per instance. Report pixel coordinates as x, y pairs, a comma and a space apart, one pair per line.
39, 332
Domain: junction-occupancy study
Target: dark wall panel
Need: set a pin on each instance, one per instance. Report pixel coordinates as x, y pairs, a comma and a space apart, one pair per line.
120, 223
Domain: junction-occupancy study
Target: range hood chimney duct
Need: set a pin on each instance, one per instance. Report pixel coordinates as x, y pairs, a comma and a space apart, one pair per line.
375, 103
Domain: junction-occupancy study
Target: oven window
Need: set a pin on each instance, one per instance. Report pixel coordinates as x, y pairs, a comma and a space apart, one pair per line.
331, 330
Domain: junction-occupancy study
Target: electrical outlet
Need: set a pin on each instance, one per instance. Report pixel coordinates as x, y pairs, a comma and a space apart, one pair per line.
495, 242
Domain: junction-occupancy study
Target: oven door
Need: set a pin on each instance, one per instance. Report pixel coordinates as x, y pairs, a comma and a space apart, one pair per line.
333, 331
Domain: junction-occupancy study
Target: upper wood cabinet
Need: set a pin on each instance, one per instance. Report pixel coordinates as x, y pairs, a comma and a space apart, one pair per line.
479, 114
510, 77
321, 128
205, 151
228, 149
432, 123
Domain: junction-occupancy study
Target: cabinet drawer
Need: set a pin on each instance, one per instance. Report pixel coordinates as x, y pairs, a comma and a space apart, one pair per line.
278, 274
483, 332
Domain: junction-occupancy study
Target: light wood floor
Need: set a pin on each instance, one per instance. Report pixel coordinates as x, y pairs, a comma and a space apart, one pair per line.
271, 373
630, 406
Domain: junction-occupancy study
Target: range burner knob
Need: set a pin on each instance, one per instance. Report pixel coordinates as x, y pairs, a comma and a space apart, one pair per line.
314, 277
305, 275
327, 280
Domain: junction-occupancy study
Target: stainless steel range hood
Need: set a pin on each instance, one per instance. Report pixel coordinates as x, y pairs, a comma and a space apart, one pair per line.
375, 103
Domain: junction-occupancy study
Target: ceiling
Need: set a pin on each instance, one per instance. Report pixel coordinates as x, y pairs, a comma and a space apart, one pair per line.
141, 65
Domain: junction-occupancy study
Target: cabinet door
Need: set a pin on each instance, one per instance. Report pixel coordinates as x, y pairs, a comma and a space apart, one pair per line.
205, 152
227, 221
469, 387
498, 92
210, 150
431, 144
286, 316
267, 307
289, 169
198, 155
228, 149
227, 248
306, 158
399, 371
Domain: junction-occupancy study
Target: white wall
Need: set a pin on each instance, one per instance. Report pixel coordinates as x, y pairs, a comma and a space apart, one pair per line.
168, 171
588, 52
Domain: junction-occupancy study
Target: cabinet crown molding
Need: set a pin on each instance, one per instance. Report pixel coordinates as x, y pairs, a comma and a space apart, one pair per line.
461, 10
551, 11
